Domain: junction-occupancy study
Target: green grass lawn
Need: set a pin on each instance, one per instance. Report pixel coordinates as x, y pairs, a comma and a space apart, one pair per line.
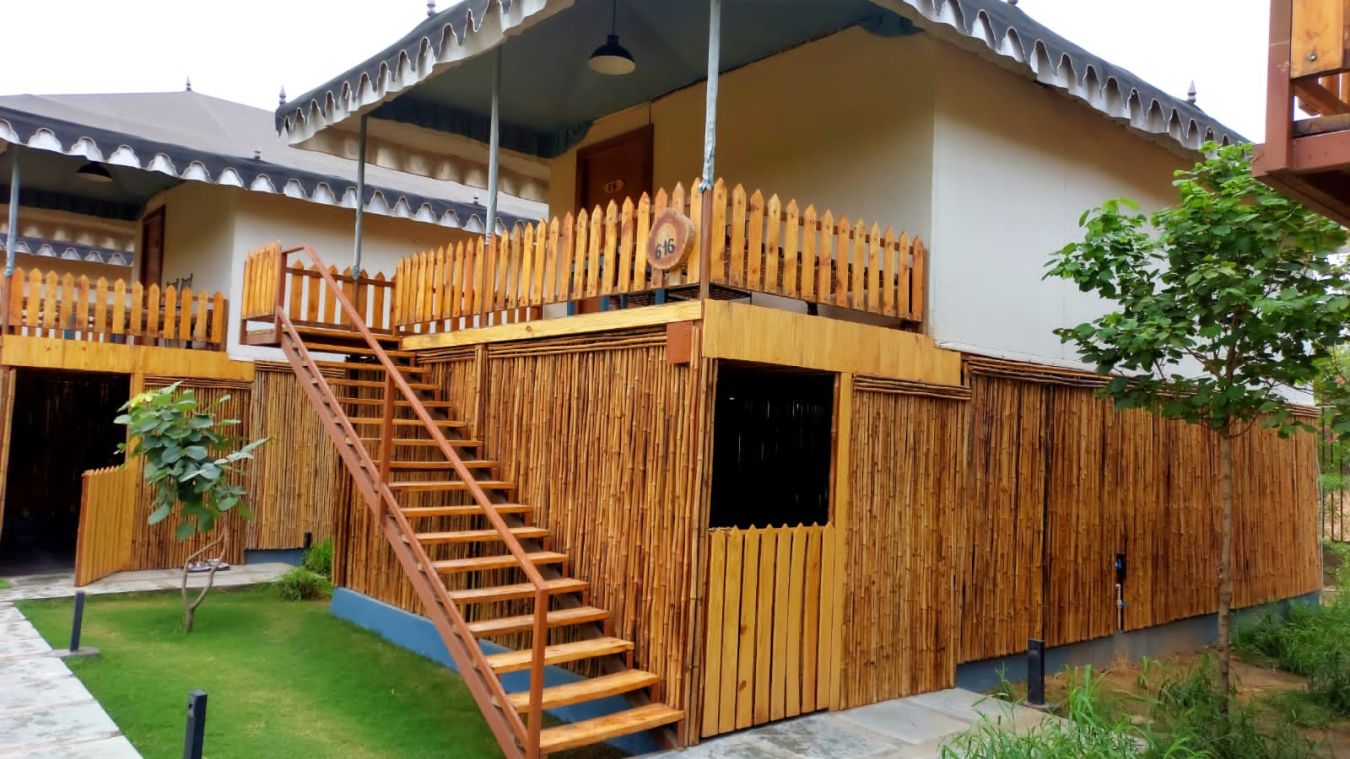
4, 584
283, 679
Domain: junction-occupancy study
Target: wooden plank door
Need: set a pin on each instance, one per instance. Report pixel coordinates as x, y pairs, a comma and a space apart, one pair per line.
613, 171
108, 500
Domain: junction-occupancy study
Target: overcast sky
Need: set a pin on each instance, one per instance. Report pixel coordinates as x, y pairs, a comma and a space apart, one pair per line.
245, 50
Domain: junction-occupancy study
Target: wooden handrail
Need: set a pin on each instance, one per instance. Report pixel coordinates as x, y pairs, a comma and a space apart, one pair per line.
530, 738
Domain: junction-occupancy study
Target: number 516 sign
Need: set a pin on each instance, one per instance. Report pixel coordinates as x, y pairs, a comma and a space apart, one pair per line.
670, 241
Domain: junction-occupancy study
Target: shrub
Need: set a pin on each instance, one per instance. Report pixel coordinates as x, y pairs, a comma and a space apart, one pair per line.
319, 558
300, 584
1309, 640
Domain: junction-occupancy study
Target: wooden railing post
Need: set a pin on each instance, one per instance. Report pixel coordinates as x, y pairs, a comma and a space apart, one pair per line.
279, 297
387, 430
539, 643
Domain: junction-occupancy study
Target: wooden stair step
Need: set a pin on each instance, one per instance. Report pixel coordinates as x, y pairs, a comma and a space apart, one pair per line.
471, 510
589, 689
500, 561
578, 615
406, 422
363, 366
557, 586
355, 350
515, 661
627, 722
426, 442
341, 382
398, 403
338, 334
433, 466
456, 486
480, 536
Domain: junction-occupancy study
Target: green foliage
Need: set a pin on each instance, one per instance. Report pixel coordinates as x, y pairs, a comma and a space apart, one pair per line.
1235, 278
4, 584
1308, 640
1298, 708
187, 457
319, 558
300, 584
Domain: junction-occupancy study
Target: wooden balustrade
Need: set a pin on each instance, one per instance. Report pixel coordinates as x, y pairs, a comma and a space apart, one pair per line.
300, 289
71, 308
762, 247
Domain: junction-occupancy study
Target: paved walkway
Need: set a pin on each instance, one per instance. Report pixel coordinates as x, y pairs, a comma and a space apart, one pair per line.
905, 728
58, 586
44, 710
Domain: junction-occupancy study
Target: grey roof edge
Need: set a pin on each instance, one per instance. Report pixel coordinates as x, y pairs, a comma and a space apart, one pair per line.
40, 132
451, 35
1007, 34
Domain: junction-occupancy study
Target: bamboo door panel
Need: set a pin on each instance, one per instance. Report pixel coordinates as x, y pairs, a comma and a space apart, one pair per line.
107, 507
769, 638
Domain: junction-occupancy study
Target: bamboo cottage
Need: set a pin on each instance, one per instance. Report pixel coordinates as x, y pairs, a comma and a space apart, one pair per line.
764, 415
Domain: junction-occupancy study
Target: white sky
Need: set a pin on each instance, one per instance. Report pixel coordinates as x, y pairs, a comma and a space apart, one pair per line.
245, 50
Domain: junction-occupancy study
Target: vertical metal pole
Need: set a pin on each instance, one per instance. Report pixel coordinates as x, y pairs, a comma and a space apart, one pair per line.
195, 735
77, 622
1036, 672
12, 235
494, 147
360, 198
709, 148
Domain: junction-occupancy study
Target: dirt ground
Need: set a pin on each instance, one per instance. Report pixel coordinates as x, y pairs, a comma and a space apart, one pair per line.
1126, 688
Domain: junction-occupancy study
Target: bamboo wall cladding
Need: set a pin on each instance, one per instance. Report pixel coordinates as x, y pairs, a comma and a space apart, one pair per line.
296, 474
769, 641
107, 508
900, 616
154, 546
70, 308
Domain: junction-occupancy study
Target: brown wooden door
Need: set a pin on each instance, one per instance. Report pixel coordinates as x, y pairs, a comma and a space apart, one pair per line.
612, 170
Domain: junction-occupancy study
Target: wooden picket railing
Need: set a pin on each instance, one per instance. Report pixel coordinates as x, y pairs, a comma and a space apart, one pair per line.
767, 653
108, 499
760, 247
299, 287
74, 308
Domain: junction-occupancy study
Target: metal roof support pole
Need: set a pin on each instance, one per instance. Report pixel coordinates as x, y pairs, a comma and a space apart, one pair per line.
360, 198
11, 237
494, 147
709, 147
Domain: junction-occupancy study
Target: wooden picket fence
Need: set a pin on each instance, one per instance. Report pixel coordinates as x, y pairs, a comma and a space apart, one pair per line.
767, 654
74, 308
108, 500
307, 300
763, 246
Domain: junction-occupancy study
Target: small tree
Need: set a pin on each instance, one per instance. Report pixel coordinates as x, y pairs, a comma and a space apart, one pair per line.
187, 465
1219, 301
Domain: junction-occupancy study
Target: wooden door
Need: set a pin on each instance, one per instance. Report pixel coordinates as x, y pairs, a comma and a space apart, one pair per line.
108, 500
610, 171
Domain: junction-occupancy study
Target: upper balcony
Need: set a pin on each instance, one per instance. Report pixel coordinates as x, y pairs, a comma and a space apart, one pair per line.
1307, 150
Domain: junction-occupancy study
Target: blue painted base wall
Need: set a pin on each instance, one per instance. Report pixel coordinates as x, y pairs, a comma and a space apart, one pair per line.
293, 556
1154, 642
417, 634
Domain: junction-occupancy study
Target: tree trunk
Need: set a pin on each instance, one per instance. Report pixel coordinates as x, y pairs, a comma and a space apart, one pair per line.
1225, 566
190, 607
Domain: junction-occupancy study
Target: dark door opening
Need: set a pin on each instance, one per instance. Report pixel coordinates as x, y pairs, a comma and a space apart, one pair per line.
62, 425
771, 447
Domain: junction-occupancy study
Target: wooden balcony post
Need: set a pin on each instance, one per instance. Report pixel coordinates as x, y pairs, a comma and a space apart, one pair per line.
1275, 154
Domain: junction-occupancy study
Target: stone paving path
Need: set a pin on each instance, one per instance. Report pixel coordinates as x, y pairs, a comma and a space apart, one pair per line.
44, 710
905, 728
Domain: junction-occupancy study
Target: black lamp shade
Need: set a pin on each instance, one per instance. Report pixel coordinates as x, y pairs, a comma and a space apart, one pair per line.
611, 58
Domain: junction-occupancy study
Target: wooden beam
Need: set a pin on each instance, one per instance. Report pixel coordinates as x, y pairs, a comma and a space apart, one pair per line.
773, 336
1321, 152
79, 355
840, 475
1279, 100
581, 324
1317, 36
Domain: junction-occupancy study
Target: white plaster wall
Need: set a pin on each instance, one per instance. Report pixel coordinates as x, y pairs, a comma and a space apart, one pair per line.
259, 219
844, 122
1014, 167
198, 235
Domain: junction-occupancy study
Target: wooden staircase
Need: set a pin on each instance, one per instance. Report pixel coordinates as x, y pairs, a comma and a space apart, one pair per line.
417, 471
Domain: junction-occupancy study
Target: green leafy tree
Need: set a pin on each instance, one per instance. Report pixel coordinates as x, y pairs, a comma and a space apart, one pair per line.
188, 461
1216, 304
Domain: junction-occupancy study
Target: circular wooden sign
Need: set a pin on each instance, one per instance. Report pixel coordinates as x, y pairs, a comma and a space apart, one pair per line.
670, 241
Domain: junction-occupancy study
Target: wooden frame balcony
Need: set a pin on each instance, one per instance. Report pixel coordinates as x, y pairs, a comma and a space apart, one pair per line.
1308, 157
